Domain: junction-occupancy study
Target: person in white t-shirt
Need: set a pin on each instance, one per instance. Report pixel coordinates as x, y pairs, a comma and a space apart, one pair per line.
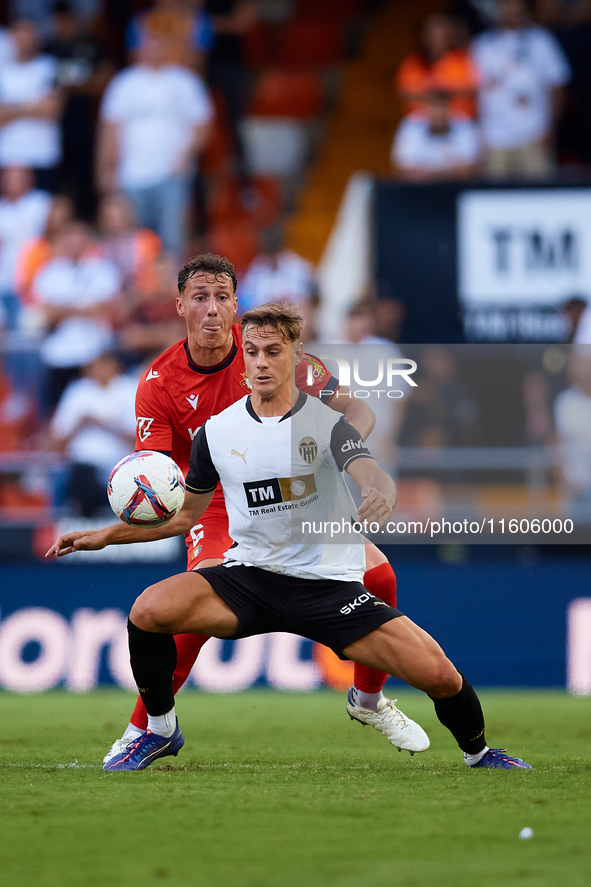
276, 274
155, 120
77, 294
522, 70
435, 145
30, 107
23, 215
94, 425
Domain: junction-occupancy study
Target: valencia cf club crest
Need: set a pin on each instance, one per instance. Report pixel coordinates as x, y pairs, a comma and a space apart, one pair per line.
245, 382
308, 449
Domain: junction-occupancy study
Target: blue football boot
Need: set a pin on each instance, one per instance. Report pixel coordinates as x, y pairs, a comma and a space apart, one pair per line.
141, 752
498, 759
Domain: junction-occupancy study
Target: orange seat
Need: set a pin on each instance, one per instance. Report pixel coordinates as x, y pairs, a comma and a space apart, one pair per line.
280, 93
313, 43
237, 241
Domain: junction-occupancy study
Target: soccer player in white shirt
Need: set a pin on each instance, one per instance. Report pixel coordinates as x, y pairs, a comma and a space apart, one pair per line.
279, 576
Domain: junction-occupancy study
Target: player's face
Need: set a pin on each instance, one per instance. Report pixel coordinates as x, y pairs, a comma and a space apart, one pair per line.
208, 305
268, 359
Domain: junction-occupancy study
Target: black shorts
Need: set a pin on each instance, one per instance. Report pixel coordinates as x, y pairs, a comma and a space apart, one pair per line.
333, 613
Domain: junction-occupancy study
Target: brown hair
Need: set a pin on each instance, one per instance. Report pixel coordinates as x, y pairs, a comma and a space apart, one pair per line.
208, 263
286, 319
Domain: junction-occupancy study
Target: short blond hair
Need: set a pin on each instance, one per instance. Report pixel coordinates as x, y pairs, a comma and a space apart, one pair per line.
286, 319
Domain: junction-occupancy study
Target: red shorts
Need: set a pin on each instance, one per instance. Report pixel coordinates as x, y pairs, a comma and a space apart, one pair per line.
209, 538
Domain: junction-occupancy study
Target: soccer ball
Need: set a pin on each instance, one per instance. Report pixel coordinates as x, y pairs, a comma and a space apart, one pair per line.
146, 489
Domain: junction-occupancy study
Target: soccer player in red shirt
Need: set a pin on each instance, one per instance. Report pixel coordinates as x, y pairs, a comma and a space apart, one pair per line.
198, 378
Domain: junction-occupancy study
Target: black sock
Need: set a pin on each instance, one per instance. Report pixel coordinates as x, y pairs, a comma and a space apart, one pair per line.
153, 661
462, 715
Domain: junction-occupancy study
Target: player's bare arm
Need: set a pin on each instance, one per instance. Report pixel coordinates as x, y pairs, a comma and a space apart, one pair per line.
377, 488
357, 412
123, 534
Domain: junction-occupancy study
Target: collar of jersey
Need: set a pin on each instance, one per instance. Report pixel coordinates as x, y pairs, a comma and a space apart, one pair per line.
302, 398
213, 369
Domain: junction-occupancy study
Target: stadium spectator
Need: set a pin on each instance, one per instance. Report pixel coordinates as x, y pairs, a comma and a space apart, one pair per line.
572, 416
436, 144
441, 412
30, 108
132, 250
83, 71
226, 69
151, 324
440, 64
23, 214
38, 251
77, 293
186, 27
155, 120
277, 274
522, 70
94, 425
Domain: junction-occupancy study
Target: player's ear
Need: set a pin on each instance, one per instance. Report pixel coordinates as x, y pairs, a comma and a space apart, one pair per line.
179, 306
298, 352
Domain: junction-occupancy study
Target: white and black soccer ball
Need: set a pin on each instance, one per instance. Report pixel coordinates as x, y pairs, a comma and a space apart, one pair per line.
146, 489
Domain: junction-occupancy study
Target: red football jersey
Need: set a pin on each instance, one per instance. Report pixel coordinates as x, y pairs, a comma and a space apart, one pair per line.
175, 396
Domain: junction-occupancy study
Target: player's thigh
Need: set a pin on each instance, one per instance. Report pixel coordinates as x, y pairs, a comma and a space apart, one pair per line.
403, 649
184, 603
373, 556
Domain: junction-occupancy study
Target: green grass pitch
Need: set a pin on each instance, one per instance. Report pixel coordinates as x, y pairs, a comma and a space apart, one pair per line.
279, 789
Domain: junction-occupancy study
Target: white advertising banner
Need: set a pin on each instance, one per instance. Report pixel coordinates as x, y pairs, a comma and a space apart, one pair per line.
523, 248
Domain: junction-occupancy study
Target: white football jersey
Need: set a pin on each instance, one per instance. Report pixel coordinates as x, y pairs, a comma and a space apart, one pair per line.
288, 506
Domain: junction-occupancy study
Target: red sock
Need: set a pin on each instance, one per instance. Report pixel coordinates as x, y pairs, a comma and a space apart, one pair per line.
187, 650
381, 581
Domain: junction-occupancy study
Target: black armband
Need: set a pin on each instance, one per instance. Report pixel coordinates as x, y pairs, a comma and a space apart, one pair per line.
346, 444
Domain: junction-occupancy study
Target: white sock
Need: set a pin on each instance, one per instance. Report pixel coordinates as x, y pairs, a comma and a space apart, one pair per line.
473, 759
163, 725
132, 732
366, 700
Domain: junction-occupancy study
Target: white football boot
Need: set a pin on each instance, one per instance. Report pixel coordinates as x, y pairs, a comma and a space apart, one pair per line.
120, 745
392, 723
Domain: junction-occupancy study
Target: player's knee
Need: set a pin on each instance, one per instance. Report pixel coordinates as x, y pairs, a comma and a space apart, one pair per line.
145, 611
446, 680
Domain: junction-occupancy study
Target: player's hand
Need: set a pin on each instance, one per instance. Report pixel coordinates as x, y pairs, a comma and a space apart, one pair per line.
78, 540
376, 507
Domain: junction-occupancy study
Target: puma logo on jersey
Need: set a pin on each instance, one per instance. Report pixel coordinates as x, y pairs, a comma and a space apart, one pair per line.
193, 398
143, 427
152, 374
242, 455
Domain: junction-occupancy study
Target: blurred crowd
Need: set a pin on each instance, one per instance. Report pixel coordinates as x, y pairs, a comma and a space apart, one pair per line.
105, 190
500, 90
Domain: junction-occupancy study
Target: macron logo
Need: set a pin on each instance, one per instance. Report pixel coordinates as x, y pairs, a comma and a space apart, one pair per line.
152, 374
193, 398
